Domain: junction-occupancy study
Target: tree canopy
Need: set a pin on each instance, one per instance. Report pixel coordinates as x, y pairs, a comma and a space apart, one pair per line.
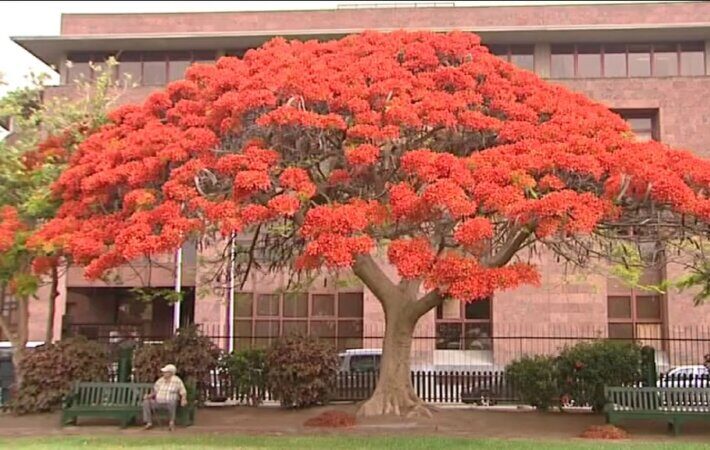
423, 146
422, 143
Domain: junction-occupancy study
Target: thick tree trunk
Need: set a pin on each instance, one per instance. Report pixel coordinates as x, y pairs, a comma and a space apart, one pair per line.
53, 294
394, 393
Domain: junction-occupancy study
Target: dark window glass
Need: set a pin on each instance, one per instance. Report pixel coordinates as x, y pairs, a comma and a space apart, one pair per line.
648, 307
296, 304
242, 334
665, 60
238, 53
642, 127
350, 304
621, 331
130, 67
244, 305
176, 70
324, 329
478, 309
619, 307
265, 333
477, 336
499, 50
178, 62
692, 59
78, 68
298, 327
349, 334
523, 56
562, 61
589, 61
614, 61
153, 73
639, 60
364, 363
267, 305
204, 56
448, 336
154, 68
323, 305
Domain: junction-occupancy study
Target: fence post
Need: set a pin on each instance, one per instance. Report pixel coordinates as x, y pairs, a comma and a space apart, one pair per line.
648, 366
125, 363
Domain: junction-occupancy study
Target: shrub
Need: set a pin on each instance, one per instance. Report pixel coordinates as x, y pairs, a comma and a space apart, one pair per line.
194, 356
49, 371
301, 371
247, 371
587, 367
535, 378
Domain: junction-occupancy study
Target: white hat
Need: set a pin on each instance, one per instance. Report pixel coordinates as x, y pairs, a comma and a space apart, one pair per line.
169, 368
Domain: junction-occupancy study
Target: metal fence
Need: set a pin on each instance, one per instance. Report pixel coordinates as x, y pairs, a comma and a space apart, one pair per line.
483, 388
433, 350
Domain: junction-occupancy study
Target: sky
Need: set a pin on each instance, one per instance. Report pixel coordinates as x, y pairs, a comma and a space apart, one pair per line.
43, 19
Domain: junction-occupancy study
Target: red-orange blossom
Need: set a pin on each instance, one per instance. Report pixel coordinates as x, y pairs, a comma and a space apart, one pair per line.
422, 143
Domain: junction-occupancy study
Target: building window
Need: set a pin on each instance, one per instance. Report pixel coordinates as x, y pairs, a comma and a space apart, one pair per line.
85, 66
262, 317
562, 61
632, 60
522, 56
643, 123
8, 310
464, 325
144, 68
637, 316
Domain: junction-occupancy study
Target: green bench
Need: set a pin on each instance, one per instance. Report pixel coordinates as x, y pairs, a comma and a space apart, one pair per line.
120, 401
673, 405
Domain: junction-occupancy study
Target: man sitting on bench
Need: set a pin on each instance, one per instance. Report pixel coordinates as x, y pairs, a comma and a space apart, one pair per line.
167, 391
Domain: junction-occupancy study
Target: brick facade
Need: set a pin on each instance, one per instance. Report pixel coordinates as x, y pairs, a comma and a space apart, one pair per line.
566, 300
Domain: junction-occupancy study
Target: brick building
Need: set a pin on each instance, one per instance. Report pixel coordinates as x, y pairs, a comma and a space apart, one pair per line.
649, 62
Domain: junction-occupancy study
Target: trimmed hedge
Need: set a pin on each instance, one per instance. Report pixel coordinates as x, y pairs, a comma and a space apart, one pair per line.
49, 371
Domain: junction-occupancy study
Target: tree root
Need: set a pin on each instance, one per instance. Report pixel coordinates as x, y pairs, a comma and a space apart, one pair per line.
397, 402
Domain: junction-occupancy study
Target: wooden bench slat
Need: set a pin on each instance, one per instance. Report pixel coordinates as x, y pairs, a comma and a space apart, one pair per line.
122, 401
673, 404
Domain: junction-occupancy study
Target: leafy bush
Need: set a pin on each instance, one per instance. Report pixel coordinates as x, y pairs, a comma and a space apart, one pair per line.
535, 378
247, 371
194, 356
49, 371
587, 367
301, 371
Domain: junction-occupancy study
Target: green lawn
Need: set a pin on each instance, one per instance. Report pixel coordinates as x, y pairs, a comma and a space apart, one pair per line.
325, 442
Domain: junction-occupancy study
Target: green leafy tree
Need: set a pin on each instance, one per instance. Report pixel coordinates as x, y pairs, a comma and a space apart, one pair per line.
44, 132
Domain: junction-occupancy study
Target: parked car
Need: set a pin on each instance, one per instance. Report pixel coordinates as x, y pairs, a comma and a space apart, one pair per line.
686, 376
360, 360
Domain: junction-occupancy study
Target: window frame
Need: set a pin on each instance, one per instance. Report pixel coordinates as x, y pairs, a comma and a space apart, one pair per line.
509, 52
195, 56
309, 319
643, 113
678, 46
462, 321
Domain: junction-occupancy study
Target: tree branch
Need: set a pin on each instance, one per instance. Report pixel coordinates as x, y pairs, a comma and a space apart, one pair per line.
429, 301
511, 246
375, 279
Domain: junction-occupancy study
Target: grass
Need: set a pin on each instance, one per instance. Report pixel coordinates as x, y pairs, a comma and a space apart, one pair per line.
321, 442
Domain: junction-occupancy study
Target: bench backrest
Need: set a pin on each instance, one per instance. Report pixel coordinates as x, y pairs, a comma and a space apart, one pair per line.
110, 394
655, 399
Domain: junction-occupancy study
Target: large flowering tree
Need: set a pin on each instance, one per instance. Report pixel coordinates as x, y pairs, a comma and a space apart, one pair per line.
422, 145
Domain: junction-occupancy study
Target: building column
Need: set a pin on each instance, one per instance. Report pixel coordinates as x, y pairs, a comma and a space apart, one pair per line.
542, 60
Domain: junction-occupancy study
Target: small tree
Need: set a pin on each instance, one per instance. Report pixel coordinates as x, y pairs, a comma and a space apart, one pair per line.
419, 150
45, 134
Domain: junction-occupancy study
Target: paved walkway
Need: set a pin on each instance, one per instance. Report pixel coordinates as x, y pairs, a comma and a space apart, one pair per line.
268, 420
